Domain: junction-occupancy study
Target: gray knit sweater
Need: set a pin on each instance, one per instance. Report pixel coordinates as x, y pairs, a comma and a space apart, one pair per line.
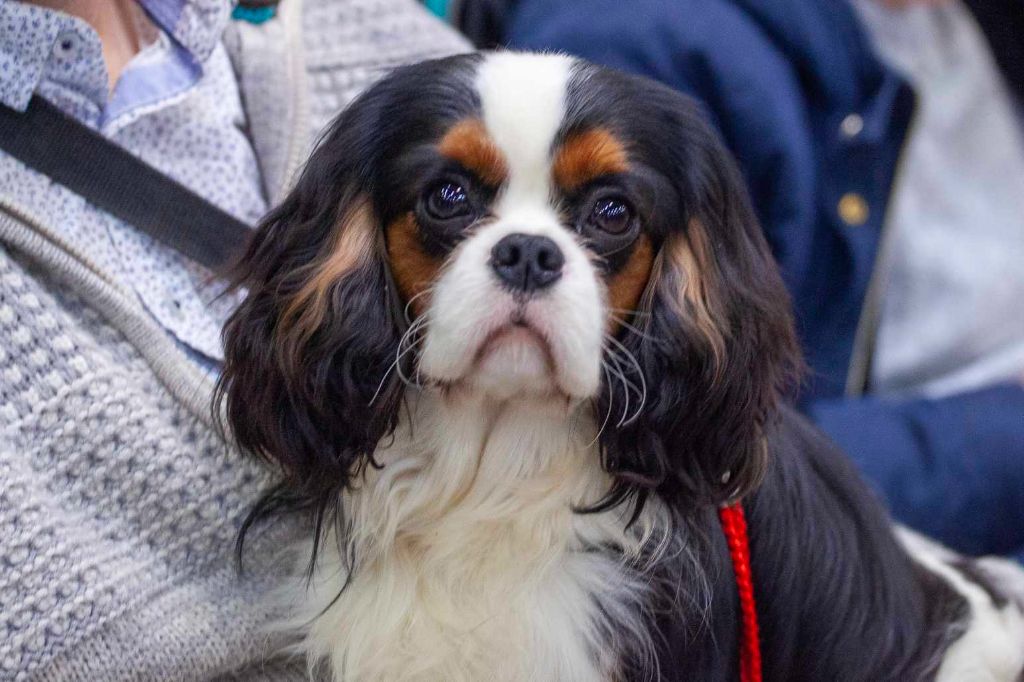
118, 504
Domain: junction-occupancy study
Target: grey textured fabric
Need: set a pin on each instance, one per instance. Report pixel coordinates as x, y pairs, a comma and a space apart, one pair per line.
118, 503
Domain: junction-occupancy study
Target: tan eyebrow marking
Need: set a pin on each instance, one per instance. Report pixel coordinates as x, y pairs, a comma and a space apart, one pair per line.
587, 155
469, 143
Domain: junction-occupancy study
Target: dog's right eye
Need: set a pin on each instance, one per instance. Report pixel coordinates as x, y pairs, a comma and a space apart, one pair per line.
613, 216
447, 200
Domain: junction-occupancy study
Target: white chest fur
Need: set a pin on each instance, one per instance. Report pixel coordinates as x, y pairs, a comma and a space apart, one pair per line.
470, 562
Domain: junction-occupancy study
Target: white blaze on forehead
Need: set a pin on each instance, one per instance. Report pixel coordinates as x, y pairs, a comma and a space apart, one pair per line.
523, 100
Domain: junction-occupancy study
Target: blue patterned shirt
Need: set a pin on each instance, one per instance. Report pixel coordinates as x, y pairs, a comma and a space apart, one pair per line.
176, 106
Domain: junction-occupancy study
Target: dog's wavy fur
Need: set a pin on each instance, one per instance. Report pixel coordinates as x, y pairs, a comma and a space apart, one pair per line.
458, 537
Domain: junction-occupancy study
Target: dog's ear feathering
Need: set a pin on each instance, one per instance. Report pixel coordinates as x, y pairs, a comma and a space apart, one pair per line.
306, 349
714, 338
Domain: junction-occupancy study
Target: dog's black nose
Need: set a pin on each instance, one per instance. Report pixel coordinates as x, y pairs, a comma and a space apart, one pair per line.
526, 262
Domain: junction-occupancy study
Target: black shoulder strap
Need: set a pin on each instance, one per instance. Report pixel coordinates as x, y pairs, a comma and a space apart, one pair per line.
79, 158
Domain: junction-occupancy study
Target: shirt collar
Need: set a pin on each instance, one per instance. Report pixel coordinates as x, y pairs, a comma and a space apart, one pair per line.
29, 35
28, 39
196, 25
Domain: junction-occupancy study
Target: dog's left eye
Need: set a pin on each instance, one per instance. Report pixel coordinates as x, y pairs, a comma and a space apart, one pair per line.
447, 200
613, 216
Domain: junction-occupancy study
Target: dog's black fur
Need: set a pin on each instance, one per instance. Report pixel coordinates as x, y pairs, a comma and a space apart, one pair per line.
839, 599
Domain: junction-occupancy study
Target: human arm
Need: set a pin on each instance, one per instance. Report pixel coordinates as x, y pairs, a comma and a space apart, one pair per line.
951, 467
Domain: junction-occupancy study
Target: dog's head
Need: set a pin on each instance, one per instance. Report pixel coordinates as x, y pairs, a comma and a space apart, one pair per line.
509, 227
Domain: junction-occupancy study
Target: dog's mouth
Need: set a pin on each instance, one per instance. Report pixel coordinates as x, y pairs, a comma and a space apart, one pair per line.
517, 335
500, 348
515, 358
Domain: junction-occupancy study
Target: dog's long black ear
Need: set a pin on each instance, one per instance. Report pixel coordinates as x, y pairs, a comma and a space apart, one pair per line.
717, 347
306, 351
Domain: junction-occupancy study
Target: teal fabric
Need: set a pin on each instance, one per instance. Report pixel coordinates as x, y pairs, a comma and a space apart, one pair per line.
254, 15
438, 7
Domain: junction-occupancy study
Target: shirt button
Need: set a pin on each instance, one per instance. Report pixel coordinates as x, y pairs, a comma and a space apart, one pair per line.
851, 126
853, 209
66, 46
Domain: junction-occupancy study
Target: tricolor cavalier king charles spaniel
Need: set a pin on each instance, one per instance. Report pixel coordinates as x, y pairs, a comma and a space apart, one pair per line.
512, 340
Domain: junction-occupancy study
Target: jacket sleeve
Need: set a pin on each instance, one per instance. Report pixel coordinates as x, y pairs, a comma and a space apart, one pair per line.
952, 468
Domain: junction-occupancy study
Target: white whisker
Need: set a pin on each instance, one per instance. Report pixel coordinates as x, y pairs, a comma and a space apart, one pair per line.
618, 359
640, 373
414, 328
625, 385
631, 313
608, 415
408, 305
401, 374
636, 330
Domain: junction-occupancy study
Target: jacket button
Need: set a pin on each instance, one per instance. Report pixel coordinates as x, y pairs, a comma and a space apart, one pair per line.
853, 209
851, 126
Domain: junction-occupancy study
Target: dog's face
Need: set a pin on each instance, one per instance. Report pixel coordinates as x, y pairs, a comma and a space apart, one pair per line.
520, 238
510, 227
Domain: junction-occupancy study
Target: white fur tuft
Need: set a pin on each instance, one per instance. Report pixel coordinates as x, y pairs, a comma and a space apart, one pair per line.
991, 648
471, 564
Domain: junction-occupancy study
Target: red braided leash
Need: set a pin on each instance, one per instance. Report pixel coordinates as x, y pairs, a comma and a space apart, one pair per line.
734, 524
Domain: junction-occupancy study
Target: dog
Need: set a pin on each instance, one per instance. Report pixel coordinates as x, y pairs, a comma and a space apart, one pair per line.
513, 341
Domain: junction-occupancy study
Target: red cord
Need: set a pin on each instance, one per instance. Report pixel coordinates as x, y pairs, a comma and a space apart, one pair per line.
734, 524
